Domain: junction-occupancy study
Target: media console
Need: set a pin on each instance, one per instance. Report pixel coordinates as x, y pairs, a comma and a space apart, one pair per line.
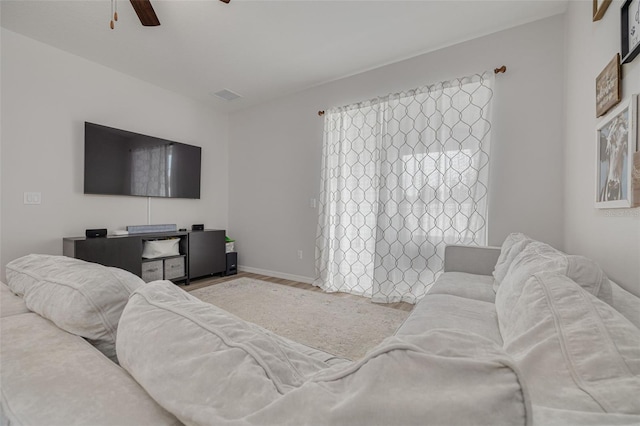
202, 253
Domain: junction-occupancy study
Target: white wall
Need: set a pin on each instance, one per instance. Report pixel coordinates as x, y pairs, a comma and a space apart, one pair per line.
47, 95
1, 126
612, 236
275, 148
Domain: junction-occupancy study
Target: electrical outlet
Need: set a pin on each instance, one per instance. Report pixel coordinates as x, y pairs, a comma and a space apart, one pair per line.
32, 198
300, 254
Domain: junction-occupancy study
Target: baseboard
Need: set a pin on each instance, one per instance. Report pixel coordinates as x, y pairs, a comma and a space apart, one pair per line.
276, 274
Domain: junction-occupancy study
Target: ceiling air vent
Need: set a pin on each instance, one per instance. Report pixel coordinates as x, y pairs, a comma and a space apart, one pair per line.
227, 95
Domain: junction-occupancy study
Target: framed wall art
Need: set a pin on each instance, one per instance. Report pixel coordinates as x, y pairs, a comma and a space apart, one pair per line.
616, 139
630, 30
599, 9
608, 89
635, 179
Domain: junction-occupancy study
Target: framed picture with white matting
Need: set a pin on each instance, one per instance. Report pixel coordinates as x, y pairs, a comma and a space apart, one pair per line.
616, 139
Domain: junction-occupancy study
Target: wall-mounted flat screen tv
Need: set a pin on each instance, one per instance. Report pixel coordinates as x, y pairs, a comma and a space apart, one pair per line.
118, 162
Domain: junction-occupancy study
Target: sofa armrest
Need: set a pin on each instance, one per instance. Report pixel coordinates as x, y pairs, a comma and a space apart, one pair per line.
470, 259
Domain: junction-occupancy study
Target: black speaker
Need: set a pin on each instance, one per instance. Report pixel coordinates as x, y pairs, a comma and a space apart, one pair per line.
95, 233
232, 263
197, 227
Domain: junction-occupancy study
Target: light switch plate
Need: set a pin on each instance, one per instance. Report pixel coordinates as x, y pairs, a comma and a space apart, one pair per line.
32, 198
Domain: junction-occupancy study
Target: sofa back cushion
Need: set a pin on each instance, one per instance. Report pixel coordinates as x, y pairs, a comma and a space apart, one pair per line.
511, 247
540, 257
10, 304
51, 377
568, 343
626, 303
80, 297
208, 367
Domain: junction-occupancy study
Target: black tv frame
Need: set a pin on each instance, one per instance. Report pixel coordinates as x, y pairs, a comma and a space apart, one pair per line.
108, 166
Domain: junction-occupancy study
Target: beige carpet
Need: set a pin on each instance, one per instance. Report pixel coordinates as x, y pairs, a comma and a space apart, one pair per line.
344, 326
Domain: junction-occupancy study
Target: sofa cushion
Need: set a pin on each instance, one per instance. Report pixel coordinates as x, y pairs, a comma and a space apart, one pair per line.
588, 274
51, 377
315, 353
568, 343
540, 257
470, 286
624, 302
511, 247
208, 368
10, 304
442, 377
558, 417
445, 311
80, 297
162, 319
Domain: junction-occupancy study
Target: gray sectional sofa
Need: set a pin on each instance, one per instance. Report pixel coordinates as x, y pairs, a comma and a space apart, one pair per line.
522, 334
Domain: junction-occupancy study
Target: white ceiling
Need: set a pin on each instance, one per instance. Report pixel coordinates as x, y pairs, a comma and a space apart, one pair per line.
261, 49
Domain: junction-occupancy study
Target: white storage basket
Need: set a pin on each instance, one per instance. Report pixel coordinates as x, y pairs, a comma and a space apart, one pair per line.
174, 268
152, 271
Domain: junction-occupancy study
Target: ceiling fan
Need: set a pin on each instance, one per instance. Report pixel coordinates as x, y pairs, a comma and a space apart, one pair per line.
145, 13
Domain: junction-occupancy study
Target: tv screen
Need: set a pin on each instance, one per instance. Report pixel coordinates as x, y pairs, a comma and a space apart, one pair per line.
117, 162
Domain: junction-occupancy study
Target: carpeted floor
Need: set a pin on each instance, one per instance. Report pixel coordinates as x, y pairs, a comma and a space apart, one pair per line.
344, 326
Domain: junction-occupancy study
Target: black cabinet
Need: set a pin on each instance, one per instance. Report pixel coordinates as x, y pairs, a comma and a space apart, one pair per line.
203, 252
206, 253
121, 252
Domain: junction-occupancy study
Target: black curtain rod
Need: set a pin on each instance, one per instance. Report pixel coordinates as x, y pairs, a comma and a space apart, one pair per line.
500, 70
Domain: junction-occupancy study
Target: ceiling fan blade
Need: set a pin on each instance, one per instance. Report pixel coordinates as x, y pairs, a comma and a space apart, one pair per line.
225, 1
145, 12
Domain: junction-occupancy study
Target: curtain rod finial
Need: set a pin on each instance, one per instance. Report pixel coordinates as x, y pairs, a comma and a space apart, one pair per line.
320, 113
502, 69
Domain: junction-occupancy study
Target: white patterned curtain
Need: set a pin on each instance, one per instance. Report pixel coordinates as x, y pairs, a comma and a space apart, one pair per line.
403, 176
151, 171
